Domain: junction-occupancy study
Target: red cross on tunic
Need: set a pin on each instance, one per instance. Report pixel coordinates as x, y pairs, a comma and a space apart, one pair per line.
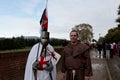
42, 62
53, 55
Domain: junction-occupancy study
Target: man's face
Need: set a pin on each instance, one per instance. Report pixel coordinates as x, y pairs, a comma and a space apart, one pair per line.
73, 37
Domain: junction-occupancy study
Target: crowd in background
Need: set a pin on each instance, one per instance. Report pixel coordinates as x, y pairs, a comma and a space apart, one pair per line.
109, 49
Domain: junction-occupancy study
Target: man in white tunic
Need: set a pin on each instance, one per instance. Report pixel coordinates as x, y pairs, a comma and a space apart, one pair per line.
44, 59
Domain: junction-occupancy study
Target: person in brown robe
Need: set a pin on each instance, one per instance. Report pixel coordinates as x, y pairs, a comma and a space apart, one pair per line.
76, 62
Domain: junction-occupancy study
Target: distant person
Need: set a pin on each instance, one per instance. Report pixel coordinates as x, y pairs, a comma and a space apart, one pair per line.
76, 62
119, 49
111, 50
114, 48
100, 47
104, 52
107, 49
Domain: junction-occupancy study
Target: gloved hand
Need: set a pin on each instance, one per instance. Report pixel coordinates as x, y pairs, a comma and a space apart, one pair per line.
49, 67
35, 65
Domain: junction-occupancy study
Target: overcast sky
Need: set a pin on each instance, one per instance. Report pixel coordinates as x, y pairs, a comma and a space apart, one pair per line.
21, 17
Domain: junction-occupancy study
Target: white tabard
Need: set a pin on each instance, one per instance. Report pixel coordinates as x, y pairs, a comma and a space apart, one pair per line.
41, 74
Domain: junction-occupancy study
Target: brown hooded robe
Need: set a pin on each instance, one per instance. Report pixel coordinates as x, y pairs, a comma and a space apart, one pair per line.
76, 57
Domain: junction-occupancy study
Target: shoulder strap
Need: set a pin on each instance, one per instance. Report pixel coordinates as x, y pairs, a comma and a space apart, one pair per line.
38, 51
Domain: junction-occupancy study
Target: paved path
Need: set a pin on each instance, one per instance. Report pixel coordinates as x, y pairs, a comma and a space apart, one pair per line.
99, 66
114, 67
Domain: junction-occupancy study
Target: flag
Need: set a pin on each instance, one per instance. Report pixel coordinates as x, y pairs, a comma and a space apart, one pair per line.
44, 20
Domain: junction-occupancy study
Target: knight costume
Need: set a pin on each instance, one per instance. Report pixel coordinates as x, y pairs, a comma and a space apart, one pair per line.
42, 74
42, 59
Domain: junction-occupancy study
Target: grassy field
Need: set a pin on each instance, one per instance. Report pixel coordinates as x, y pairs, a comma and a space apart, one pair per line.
24, 49
15, 50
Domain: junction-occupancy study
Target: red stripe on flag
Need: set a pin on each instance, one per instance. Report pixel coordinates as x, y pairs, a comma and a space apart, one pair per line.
44, 20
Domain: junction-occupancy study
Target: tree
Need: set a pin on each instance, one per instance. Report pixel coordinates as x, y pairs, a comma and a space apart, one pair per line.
118, 19
101, 40
85, 32
93, 40
113, 35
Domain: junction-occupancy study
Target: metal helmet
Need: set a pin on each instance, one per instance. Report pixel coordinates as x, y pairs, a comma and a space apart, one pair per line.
45, 38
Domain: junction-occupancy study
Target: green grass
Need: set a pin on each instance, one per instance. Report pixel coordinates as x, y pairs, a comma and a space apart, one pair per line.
25, 49
58, 46
15, 50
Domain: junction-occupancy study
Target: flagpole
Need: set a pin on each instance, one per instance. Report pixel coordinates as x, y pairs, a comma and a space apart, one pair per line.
46, 3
